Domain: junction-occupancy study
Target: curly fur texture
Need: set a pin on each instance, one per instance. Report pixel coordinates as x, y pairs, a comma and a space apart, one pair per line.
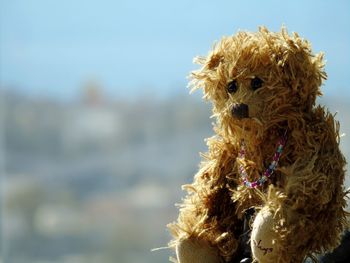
306, 192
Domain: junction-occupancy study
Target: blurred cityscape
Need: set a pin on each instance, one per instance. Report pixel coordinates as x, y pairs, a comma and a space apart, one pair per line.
96, 179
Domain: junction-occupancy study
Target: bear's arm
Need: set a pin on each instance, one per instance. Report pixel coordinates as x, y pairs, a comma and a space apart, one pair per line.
208, 212
309, 211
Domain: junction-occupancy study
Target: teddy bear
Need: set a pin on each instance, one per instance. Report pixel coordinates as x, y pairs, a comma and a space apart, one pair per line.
271, 186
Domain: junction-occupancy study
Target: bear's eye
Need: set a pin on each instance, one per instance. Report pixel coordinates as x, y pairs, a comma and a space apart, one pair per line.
256, 83
232, 86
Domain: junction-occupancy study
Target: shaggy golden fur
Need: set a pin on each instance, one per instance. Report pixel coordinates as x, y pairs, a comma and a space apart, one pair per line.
306, 192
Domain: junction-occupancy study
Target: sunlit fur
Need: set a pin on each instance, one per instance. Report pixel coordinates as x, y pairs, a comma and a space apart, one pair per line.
306, 192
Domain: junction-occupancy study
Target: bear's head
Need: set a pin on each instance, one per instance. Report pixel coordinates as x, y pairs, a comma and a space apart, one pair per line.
258, 81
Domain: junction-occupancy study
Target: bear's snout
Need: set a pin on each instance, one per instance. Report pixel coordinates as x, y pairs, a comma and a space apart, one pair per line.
240, 111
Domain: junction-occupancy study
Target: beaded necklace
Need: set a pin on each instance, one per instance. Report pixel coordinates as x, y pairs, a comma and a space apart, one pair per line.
269, 171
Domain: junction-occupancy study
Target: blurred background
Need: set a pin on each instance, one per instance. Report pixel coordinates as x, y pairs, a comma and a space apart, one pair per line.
97, 130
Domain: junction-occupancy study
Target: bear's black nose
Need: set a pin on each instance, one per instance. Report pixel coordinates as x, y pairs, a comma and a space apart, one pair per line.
240, 111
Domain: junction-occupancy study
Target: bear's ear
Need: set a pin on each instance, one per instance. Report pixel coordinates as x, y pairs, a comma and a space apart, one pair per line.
206, 77
210, 62
214, 60
302, 71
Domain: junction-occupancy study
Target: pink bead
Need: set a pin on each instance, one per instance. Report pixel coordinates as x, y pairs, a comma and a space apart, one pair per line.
276, 156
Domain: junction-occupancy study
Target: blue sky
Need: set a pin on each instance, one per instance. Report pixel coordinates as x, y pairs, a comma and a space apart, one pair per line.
52, 48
